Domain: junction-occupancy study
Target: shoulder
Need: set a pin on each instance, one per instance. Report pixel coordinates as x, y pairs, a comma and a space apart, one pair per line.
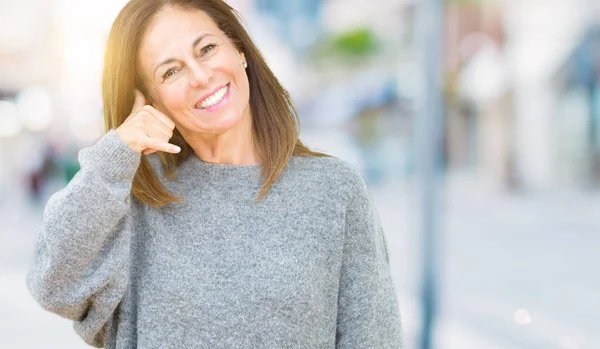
329, 167
330, 172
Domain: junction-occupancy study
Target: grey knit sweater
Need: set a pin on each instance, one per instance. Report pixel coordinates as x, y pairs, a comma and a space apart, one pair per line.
306, 267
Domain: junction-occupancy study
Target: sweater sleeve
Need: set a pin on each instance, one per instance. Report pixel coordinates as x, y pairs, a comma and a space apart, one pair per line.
368, 311
79, 269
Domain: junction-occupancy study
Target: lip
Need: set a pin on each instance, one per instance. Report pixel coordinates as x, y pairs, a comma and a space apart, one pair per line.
208, 94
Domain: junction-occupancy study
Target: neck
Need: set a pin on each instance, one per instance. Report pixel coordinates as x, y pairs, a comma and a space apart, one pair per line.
234, 146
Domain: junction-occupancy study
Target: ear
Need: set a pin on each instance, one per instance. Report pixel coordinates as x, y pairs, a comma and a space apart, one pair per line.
242, 57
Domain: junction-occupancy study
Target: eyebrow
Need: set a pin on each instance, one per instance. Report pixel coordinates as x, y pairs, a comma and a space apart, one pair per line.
170, 60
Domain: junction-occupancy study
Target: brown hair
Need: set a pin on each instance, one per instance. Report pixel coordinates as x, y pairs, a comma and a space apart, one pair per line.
275, 122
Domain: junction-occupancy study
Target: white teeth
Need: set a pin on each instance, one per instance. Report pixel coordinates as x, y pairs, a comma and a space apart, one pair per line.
214, 99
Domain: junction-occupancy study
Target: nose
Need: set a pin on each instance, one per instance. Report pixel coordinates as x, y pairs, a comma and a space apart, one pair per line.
200, 74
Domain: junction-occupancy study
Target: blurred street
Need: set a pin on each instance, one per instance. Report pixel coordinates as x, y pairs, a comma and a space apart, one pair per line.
501, 253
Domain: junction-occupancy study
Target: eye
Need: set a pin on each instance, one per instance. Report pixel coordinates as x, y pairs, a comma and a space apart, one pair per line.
208, 49
169, 73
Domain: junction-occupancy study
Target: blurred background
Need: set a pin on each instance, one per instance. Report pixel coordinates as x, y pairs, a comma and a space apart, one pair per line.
518, 208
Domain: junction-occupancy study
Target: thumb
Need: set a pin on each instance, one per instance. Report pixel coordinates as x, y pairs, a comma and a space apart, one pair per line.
139, 101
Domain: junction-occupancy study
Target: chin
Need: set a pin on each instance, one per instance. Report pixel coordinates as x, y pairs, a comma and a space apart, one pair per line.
221, 123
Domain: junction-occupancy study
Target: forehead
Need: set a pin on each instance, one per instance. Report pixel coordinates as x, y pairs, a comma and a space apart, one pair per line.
173, 27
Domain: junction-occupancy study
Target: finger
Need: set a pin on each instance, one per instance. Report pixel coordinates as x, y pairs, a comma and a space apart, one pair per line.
162, 117
158, 130
157, 144
138, 102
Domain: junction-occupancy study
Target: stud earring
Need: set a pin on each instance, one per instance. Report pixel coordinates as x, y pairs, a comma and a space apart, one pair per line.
245, 65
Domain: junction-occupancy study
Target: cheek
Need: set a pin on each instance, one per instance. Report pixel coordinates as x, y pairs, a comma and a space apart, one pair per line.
172, 99
242, 83
245, 88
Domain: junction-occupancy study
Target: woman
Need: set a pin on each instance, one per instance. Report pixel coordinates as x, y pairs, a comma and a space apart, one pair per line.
240, 237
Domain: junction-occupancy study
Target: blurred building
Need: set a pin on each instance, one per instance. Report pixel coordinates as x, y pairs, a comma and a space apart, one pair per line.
578, 116
503, 110
478, 90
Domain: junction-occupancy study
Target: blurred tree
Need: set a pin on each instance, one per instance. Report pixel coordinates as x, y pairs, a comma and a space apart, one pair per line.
349, 48
357, 42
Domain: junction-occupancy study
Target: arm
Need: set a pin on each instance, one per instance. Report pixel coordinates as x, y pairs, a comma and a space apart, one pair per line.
368, 312
79, 268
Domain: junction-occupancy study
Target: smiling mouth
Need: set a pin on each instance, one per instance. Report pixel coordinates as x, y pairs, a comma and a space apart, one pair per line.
214, 99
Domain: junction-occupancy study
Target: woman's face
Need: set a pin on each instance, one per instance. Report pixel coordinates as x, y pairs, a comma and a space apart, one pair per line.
193, 72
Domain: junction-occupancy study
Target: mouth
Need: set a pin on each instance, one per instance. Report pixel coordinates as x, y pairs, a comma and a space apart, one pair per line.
214, 99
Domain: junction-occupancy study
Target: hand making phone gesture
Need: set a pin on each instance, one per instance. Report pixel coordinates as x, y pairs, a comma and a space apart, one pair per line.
146, 129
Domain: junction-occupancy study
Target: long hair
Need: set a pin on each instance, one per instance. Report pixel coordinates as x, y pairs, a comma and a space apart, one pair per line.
275, 122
